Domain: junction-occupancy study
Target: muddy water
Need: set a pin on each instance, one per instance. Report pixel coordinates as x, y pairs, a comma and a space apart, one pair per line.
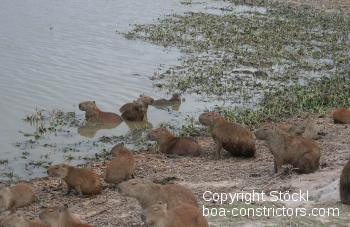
55, 54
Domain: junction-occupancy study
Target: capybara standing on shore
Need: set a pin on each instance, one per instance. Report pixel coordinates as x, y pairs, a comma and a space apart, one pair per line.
302, 153
85, 181
341, 116
170, 144
345, 184
231, 136
183, 215
143, 98
60, 217
16, 220
20, 195
149, 193
121, 167
93, 113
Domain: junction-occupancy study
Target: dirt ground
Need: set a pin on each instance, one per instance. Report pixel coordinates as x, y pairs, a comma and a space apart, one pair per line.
228, 174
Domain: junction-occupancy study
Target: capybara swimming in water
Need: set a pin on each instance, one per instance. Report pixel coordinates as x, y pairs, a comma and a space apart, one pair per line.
158, 215
149, 193
93, 113
302, 153
233, 137
16, 220
345, 184
143, 98
170, 144
19, 195
85, 181
60, 217
121, 167
341, 116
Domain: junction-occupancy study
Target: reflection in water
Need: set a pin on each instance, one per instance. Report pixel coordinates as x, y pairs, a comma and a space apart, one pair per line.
90, 128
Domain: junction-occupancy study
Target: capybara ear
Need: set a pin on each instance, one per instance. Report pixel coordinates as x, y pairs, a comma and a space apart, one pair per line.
94, 102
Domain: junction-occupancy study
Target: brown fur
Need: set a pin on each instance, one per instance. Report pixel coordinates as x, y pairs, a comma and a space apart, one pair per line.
85, 181
136, 112
232, 137
149, 193
181, 216
60, 217
15, 220
306, 129
345, 184
20, 195
170, 144
121, 167
341, 116
163, 102
302, 153
143, 98
93, 113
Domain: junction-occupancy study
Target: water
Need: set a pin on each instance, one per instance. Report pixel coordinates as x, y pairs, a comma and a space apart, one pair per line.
55, 54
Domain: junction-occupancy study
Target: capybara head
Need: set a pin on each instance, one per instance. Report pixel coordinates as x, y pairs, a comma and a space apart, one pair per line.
146, 99
209, 118
157, 134
263, 133
137, 188
87, 105
176, 97
52, 215
117, 148
155, 213
14, 220
60, 170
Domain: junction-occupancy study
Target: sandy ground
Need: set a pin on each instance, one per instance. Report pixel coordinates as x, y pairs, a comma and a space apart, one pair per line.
225, 175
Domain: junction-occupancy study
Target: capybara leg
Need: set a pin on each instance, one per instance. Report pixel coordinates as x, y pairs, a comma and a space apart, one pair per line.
217, 149
12, 207
69, 189
278, 165
78, 189
132, 176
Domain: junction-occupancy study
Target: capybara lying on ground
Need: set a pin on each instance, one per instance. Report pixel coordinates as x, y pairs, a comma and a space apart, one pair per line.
20, 195
302, 153
231, 136
175, 99
93, 113
60, 217
345, 184
170, 144
341, 116
183, 215
85, 181
143, 98
149, 193
16, 220
121, 167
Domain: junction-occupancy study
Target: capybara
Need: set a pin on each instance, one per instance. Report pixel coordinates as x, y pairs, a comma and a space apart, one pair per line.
16, 220
149, 193
233, 137
121, 167
60, 217
302, 153
345, 184
143, 98
170, 144
341, 116
136, 113
85, 181
164, 102
19, 195
183, 215
307, 129
93, 113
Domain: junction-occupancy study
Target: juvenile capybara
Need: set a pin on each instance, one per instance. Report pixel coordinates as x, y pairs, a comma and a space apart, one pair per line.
93, 113
137, 112
143, 98
85, 181
302, 153
60, 217
341, 116
16, 220
233, 137
170, 144
163, 102
345, 184
121, 167
149, 193
183, 215
19, 195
